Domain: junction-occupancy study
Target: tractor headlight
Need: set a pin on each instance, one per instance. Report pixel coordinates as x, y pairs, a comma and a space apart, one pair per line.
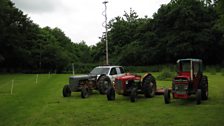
126, 82
181, 87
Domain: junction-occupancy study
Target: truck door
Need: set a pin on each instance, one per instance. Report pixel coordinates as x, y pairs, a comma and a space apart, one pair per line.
113, 74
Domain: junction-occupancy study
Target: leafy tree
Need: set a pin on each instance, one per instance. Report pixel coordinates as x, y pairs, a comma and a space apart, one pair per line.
185, 29
14, 27
218, 30
25, 47
179, 29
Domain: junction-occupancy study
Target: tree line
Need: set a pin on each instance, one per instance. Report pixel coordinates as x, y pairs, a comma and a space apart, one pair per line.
179, 29
26, 47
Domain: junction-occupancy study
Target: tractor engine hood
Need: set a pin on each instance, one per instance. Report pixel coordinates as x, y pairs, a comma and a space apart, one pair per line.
81, 77
74, 80
129, 77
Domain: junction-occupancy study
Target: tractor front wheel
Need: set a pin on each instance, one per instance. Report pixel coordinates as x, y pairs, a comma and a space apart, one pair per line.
198, 96
204, 88
167, 96
149, 86
110, 94
84, 93
104, 84
133, 95
66, 91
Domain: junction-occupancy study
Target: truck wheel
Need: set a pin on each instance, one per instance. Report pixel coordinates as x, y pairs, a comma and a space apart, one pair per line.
66, 91
204, 88
198, 96
84, 93
133, 95
149, 86
110, 94
167, 96
104, 84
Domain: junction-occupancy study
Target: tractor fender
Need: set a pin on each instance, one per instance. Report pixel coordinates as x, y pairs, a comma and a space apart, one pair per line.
97, 81
145, 75
100, 77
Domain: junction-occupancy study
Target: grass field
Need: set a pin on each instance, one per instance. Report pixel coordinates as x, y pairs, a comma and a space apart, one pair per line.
42, 103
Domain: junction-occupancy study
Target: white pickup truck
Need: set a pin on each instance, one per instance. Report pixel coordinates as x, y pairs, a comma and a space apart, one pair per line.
100, 78
110, 71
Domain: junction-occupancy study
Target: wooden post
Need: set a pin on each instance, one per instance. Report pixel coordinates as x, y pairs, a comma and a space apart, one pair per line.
37, 79
12, 86
73, 69
49, 74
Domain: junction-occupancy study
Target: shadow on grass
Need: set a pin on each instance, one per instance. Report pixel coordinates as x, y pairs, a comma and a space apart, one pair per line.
6, 93
139, 98
77, 95
187, 102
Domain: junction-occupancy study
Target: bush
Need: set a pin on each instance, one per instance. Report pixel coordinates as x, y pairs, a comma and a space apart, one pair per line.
166, 75
211, 69
152, 68
222, 71
142, 69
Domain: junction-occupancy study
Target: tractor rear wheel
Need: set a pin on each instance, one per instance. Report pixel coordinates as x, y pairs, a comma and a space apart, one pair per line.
110, 94
133, 95
204, 88
104, 84
84, 93
198, 96
167, 96
149, 86
66, 91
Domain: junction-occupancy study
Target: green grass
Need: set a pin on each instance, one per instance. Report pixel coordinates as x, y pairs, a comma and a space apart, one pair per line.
43, 104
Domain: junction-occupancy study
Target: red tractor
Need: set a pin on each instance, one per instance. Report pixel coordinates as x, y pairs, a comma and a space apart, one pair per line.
189, 81
132, 85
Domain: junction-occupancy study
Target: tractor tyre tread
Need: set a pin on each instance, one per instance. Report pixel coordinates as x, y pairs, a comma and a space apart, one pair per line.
66, 91
149, 91
204, 88
167, 96
102, 88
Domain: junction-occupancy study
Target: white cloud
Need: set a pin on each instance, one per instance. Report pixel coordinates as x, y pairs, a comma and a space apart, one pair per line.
82, 19
38, 6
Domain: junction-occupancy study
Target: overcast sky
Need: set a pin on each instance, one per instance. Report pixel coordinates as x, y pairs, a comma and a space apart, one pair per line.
82, 19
